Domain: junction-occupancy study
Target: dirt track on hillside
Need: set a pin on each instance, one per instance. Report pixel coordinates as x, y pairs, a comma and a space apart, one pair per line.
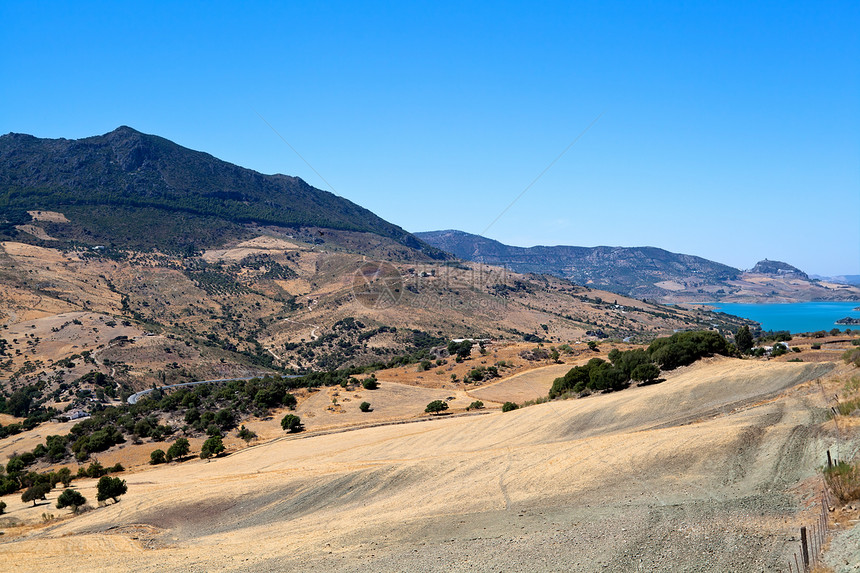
690, 475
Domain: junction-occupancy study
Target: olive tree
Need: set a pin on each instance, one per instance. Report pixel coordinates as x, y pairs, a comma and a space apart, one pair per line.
111, 488
178, 449
212, 447
436, 406
71, 498
37, 491
292, 423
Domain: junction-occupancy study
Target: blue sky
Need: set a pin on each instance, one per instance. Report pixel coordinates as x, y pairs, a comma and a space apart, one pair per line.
728, 130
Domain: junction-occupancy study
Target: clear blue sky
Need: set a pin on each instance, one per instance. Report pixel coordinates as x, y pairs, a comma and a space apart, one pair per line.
729, 130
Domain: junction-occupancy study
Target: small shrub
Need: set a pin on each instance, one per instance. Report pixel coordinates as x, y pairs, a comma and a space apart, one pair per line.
292, 424
246, 434
364, 407
843, 479
508, 406
852, 356
816, 346
476, 405
2, 507
370, 383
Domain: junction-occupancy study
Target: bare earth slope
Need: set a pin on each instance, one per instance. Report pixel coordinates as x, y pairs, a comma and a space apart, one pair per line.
689, 475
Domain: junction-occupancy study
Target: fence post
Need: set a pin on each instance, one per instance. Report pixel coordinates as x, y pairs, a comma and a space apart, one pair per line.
829, 460
804, 548
813, 541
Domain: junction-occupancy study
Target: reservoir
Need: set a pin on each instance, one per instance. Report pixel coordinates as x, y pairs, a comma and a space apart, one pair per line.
796, 316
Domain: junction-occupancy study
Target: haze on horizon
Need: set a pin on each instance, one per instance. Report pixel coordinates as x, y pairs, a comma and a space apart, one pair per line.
727, 132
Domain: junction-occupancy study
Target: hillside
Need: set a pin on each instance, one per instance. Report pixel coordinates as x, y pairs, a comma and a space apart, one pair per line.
647, 272
275, 304
134, 190
715, 469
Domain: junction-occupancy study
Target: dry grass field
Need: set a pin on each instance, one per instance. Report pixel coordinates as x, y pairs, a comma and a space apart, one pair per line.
704, 472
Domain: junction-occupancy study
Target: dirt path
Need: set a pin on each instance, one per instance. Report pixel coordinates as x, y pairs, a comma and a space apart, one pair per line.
621, 482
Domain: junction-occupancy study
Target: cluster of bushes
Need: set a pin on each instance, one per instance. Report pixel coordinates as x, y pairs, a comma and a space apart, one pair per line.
480, 374
684, 348
17, 478
852, 356
27, 402
460, 350
644, 366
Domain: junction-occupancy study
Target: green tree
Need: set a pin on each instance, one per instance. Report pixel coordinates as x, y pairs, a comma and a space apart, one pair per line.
646, 373
508, 406
111, 488
178, 449
157, 457
370, 383
292, 423
744, 339
2, 507
212, 447
64, 475
476, 405
71, 498
436, 406
37, 491
364, 407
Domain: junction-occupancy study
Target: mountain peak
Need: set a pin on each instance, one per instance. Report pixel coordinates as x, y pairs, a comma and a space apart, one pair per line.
141, 190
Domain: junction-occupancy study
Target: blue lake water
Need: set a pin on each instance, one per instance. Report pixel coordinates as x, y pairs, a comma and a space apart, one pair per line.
795, 317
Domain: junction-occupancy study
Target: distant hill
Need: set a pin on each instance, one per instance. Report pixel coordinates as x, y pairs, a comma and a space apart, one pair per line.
633, 271
647, 272
778, 268
144, 191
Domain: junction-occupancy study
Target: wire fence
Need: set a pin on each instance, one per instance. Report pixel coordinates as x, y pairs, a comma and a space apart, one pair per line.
813, 537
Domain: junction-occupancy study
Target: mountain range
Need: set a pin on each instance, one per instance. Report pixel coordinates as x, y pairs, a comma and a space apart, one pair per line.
646, 272
131, 190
